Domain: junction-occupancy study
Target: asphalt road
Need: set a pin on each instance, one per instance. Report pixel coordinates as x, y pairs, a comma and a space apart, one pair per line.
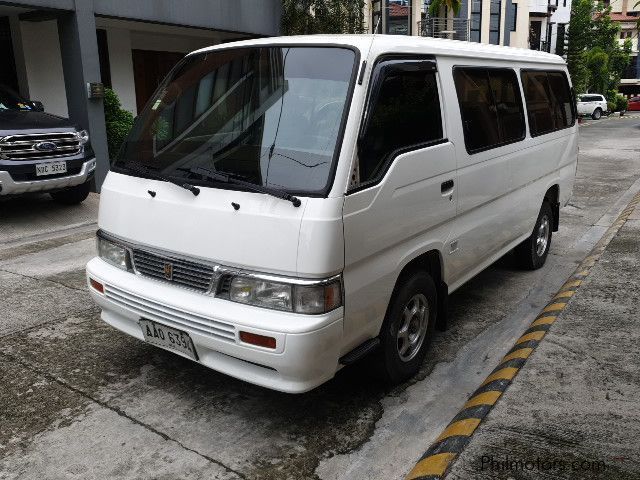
81, 400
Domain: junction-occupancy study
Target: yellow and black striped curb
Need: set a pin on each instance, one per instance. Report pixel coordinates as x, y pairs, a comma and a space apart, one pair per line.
439, 457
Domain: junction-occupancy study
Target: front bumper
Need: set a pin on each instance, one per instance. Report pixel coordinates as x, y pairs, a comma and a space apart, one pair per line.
307, 346
8, 186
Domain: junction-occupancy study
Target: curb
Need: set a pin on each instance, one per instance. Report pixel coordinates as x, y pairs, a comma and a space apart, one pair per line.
440, 456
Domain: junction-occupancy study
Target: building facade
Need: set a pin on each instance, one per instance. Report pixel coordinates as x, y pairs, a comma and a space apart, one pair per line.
52, 49
627, 14
548, 24
500, 22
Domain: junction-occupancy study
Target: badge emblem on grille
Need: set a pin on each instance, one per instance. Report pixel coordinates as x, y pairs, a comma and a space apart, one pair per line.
168, 271
45, 146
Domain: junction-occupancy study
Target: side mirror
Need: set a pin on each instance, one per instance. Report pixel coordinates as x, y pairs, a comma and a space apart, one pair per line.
37, 106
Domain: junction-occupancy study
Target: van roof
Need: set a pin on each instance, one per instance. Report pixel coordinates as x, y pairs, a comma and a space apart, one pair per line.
405, 44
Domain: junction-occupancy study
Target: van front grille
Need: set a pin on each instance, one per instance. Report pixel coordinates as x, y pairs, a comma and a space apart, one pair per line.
185, 273
170, 316
37, 146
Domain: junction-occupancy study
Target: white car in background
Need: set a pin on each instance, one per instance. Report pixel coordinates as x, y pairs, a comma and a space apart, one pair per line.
592, 104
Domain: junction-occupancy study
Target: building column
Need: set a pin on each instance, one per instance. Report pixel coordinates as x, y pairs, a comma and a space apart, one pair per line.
18, 55
79, 49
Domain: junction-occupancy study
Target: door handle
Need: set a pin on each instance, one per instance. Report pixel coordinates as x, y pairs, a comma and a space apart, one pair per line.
446, 188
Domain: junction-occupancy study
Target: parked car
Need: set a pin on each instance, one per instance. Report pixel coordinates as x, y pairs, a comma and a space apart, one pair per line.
285, 206
592, 104
634, 104
41, 152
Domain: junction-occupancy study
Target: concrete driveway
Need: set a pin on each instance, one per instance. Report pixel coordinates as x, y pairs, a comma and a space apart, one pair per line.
81, 400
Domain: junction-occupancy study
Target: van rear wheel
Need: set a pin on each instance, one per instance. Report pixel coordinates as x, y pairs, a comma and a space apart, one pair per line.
532, 253
408, 327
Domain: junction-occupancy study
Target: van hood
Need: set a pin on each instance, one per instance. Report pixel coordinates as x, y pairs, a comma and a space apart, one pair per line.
263, 234
17, 121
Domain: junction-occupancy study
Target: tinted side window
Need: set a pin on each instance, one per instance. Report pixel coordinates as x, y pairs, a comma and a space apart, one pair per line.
491, 107
404, 113
562, 100
548, 99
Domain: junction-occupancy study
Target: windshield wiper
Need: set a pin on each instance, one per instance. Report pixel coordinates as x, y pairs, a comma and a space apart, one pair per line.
230, 178
144, 170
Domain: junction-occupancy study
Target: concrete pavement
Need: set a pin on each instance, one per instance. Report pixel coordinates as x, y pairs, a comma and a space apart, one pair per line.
573, 412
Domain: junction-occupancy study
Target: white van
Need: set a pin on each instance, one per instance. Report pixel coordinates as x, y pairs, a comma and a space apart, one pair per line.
285, 206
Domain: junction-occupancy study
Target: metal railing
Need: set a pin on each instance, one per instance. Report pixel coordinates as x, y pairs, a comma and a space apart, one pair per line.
439, 27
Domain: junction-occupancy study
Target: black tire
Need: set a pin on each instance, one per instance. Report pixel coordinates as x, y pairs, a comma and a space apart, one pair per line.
530, 254
597, 113
72, 195
416, 285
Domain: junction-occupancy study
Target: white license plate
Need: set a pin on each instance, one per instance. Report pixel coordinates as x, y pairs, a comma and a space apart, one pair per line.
169, 338
51, 168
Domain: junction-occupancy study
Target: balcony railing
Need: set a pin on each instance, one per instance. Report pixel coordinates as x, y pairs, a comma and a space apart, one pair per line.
451, 28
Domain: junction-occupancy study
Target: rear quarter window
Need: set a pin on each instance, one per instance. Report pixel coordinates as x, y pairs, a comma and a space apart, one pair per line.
549, 101
490, 106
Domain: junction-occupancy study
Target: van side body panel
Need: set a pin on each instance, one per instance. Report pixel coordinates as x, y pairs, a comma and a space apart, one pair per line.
388, 225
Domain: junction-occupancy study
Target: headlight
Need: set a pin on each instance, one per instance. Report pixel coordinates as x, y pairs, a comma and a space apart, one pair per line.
313, 299
318, 298
83, 136
260, 293
113, 253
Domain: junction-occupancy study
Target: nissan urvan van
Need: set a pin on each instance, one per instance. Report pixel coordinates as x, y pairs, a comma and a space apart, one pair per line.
286, 206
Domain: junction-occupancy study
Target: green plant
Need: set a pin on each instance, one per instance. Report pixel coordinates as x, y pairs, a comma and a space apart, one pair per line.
118, 121
303, 17
621, 103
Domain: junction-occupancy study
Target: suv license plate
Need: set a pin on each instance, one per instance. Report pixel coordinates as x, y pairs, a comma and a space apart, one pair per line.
169, 338
51, 168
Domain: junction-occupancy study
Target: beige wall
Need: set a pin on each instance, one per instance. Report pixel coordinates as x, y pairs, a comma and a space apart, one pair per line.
121, 64
43, 64
520, 38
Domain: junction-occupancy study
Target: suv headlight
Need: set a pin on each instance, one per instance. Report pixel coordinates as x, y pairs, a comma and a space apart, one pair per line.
113, 253
83, 136
307, 299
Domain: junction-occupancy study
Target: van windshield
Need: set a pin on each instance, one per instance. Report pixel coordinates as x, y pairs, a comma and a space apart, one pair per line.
267, 115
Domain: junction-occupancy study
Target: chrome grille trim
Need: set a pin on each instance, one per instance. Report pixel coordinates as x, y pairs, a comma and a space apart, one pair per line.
172, 317
22, 146
186, 273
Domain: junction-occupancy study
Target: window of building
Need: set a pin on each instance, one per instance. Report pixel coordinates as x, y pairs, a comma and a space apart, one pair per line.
494, 22
476, 20
491, 107
404, 114
514, 19
549, 101
392, 17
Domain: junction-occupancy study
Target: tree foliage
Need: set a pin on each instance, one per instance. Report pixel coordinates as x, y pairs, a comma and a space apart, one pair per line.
118, 121
304, 17
451, 5
578, 36
595, 58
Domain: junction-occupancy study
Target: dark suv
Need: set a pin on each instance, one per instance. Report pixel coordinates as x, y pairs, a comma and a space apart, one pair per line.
40, 152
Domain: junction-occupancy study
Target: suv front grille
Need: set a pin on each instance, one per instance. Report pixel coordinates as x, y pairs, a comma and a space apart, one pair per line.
23, 147
181, 272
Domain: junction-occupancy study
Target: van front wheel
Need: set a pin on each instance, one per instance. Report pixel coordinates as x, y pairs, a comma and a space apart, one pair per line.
532, 253
408, 327
596, 114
